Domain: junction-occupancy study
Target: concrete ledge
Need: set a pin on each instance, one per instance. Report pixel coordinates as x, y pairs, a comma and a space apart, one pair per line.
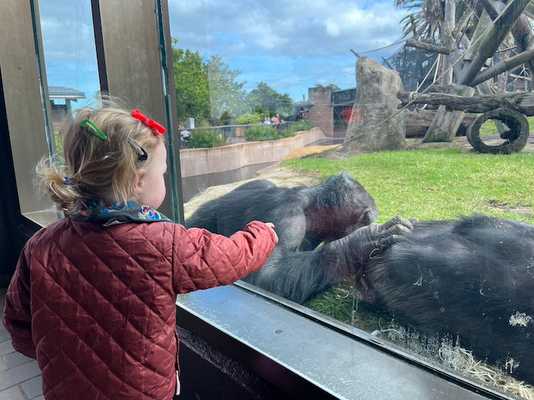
195, 162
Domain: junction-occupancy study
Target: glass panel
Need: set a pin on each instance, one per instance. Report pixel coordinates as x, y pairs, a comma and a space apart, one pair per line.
331, 119
70, 59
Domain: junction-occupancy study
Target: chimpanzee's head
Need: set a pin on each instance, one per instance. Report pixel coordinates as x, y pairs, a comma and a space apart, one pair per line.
339, 206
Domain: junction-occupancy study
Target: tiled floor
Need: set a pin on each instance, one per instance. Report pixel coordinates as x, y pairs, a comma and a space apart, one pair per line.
20, 377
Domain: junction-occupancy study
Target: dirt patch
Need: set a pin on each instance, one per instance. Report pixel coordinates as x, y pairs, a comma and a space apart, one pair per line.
311, 151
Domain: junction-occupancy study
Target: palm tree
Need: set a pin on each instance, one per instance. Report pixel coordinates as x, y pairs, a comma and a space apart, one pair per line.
424, 18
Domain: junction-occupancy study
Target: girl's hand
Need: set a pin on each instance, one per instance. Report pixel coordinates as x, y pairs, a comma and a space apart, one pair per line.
271, 225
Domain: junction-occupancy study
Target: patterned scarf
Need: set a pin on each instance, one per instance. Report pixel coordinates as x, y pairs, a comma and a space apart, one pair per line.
118, 213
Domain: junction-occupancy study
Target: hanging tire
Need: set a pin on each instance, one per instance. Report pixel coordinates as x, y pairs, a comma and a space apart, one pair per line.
515, 138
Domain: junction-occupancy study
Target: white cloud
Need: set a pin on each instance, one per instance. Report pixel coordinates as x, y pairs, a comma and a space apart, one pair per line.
292, 45
332, 27
262, 35
299, 27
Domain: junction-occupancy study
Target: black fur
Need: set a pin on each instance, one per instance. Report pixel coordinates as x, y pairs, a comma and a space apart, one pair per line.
467, 278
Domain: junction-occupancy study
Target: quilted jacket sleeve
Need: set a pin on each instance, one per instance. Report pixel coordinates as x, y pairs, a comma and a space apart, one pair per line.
202, 259
17, 311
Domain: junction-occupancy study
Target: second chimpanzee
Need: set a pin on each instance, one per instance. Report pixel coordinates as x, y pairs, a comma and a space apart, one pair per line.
473, 278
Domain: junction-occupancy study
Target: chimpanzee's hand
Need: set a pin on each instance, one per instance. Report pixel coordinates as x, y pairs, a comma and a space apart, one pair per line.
372, 240
392, 231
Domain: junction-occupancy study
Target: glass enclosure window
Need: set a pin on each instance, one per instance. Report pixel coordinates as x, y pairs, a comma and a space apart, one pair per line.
70, 59
339, 116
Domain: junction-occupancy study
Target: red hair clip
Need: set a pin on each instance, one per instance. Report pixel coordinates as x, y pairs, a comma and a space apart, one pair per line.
157, 128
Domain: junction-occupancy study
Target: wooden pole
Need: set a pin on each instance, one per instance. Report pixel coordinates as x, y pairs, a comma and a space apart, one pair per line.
492, 39
446, 124
448, 39
521, 30
503, 66
428, 46
522, 102
474, 42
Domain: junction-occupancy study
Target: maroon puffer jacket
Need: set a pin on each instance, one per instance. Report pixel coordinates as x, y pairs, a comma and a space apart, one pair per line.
96, 306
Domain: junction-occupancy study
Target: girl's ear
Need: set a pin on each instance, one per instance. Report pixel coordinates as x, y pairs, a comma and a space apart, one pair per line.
138, 184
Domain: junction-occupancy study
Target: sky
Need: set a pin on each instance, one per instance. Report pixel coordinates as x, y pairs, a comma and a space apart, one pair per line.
69, 46
291, 45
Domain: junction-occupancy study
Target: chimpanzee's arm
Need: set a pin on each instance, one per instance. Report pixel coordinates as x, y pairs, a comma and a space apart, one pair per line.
298, 276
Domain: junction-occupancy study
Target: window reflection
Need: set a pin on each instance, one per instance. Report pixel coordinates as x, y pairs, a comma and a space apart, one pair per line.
70, 58
326, 119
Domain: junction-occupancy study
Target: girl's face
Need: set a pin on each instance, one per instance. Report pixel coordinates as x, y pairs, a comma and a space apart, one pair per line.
150, 183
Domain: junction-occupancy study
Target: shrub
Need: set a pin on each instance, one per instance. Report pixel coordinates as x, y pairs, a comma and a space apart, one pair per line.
302, 125
201, 138
261, 132
267, 132
249, 118
202, 123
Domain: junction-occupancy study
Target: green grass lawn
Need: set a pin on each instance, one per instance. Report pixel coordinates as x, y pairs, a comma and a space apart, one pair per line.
438, 183
488, 129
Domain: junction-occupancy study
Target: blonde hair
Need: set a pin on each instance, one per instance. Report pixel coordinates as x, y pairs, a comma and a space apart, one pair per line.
93, 168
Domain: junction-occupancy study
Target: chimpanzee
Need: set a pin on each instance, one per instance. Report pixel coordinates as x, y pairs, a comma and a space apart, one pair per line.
338, 212
472, 278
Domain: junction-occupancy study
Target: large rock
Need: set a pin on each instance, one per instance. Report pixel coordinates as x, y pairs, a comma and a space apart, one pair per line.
372, 127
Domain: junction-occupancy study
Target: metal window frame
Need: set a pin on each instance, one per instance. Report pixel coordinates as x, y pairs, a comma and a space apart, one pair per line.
306, 359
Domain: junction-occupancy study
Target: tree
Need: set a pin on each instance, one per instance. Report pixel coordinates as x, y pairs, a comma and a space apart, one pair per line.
227, 94
266, 100
210, 90
425, 17
205, 90
192, 87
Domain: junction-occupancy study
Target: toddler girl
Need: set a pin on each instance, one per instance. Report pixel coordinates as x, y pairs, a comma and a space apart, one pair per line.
93, 295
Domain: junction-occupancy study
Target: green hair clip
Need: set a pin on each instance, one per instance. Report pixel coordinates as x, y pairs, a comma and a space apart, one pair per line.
93, 129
